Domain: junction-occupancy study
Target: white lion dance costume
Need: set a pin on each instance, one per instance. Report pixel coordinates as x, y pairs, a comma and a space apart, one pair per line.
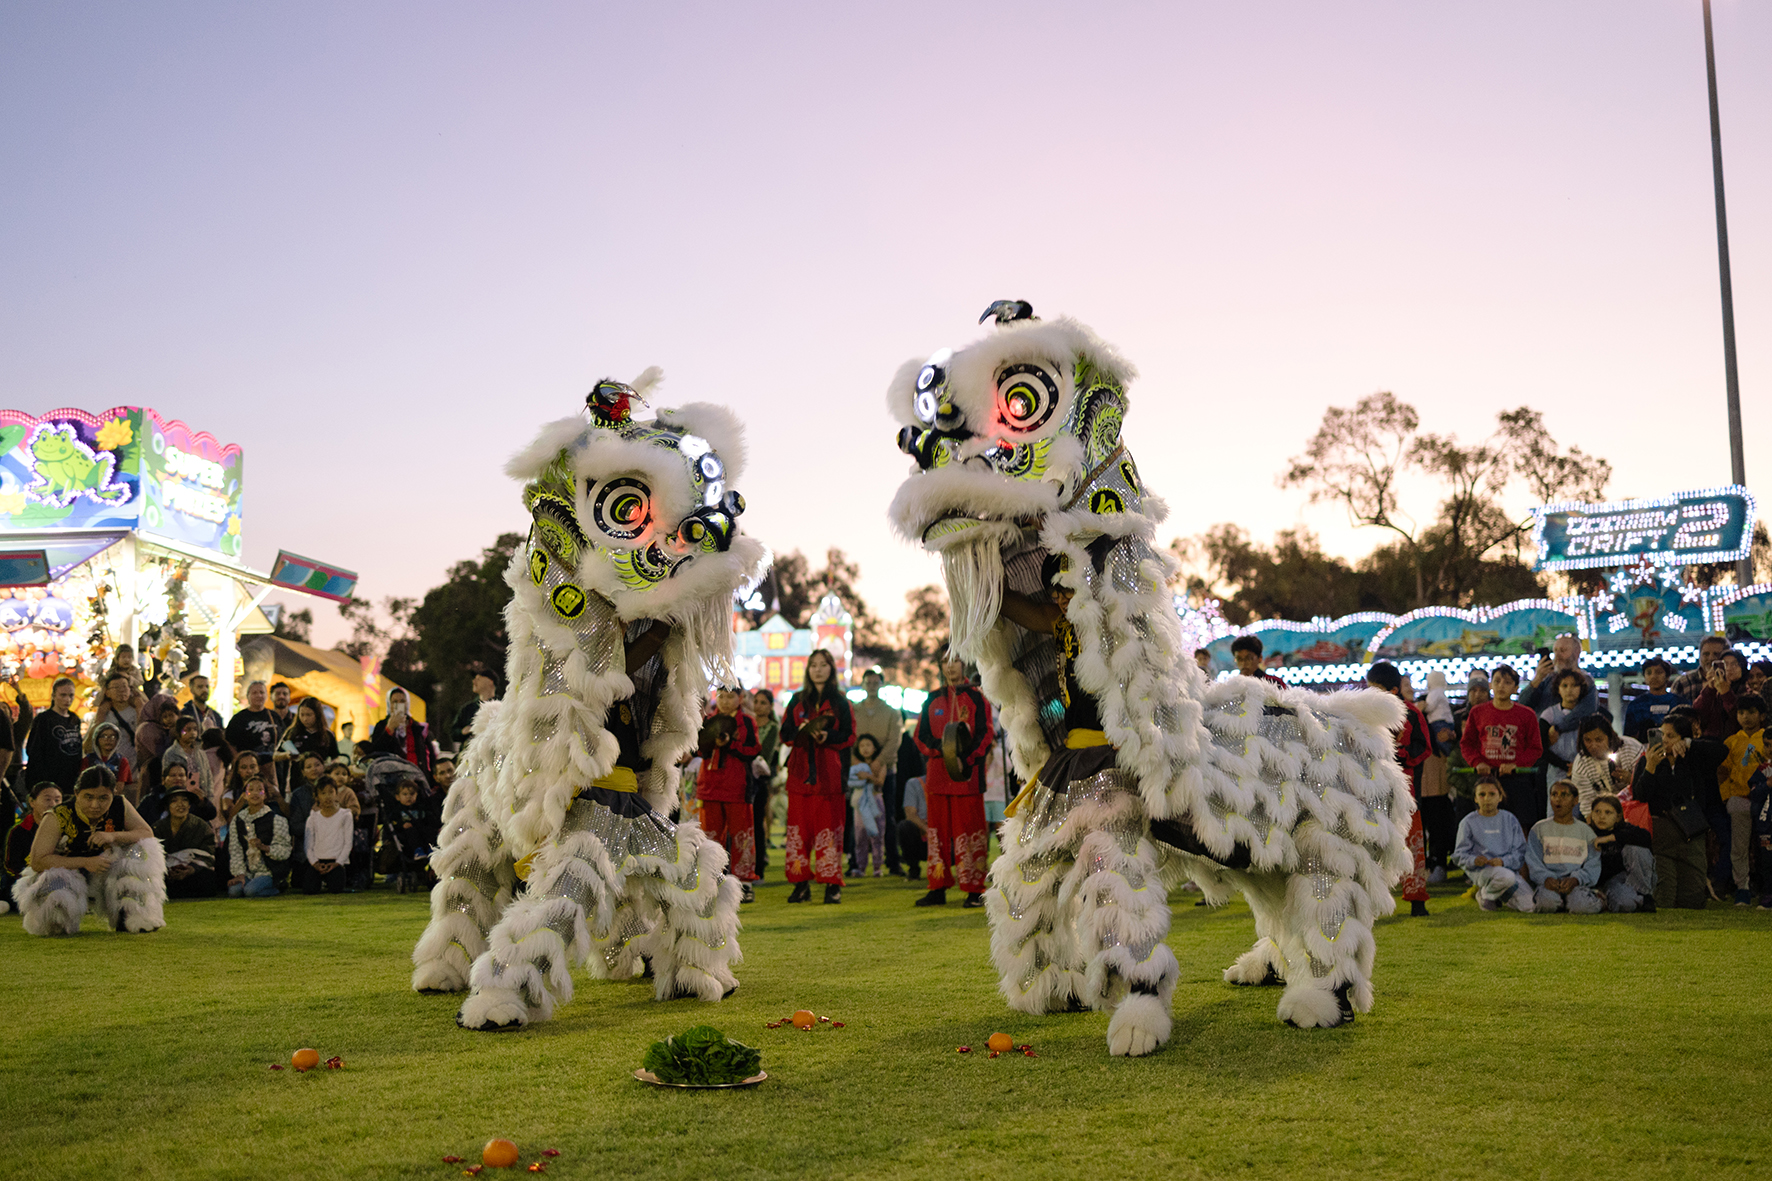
131, 893
555, 848
1292, 797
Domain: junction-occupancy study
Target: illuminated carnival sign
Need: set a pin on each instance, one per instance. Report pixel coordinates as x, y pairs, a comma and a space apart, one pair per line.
123, 468
1708, 525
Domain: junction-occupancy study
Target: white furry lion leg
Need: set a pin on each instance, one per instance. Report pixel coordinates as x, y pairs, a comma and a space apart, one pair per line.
527, 967
695, 942
474, 885
51, 903
1038, 968
1326, 933
1265, 963
132, 893
1123, 916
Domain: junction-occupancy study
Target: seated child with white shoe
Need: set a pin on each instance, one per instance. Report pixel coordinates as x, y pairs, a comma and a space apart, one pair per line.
1627, 862
1491, 848
1562, 859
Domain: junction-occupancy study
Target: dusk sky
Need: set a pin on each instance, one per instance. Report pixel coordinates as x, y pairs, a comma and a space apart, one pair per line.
378, 245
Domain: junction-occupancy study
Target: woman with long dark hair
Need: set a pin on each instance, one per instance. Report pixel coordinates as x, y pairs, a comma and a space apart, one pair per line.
818, 727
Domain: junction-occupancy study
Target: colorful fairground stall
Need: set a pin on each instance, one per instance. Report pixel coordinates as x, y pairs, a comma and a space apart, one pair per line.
1648, 607
123, 527
774, 656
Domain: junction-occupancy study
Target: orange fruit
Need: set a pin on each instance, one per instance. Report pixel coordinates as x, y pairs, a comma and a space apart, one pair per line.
305, 1059
1000, 1042
500, 1154
805, 1019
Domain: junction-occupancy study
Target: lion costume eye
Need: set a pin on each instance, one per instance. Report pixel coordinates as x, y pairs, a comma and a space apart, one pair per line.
623, 508
1026, 397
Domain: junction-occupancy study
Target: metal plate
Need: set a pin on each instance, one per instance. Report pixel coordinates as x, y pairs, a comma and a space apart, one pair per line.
646, 1076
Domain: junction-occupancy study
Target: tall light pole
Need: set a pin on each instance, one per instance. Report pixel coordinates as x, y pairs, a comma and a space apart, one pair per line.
1744, 569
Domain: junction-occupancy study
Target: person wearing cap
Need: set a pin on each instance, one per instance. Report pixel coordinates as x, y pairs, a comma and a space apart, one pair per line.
1414, 744
958, 835
188, 840
727, 744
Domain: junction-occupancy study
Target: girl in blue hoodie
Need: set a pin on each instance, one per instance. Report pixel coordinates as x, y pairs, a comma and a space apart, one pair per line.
1492, 849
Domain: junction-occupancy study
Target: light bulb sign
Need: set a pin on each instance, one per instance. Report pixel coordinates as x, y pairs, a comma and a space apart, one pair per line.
1708, 525
123, 468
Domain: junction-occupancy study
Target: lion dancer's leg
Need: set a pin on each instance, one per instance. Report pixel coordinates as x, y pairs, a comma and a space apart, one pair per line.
132, 893
1122, 922
694, 943
1264, 963
1038, 967
1325, 932
474, 885
573, 891
52, 902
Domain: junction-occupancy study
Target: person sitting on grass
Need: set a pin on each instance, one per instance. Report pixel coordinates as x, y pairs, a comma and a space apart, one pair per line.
258, 844
45, 798
1491, 849
1605, 764
188, 840
97, 848
1562, 859
328, 843
1736, 780
1627, 862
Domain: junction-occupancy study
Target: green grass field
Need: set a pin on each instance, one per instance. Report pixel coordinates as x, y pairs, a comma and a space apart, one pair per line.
1501, 1046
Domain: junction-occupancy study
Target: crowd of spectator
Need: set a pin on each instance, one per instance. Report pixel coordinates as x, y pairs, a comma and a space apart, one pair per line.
270, 801
1529, 789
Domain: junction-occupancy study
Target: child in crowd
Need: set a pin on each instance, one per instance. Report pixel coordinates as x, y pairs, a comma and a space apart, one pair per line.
1740, 774
1604, 766
258, 844
189, 843
1562, 725
864, 797
1627, 861
328, 844
1491, 849
1562, 859
45, 798
1501, 738
408, 839
1646, 711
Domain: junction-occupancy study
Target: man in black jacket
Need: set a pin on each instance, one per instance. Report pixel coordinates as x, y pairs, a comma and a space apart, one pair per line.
1676, 777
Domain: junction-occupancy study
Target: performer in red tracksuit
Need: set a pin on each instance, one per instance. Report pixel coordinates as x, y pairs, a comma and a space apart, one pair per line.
957, 835
1414, 744
819, 727
720, 789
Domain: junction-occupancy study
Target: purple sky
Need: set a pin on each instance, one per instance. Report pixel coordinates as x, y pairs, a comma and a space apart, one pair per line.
377, 245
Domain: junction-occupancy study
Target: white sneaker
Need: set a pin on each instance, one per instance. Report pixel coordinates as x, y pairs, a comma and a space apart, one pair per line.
1437, 877
1522, 900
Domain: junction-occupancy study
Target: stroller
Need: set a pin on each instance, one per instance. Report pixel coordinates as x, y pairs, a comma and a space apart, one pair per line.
408, 830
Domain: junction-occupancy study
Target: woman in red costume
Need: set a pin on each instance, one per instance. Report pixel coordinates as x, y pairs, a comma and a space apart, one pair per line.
818, 726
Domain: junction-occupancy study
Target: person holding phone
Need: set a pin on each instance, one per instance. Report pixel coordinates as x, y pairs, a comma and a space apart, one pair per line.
401, 734
1676, 778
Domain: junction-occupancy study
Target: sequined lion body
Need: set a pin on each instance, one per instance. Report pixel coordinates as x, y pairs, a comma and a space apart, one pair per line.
556, 848
1291, 797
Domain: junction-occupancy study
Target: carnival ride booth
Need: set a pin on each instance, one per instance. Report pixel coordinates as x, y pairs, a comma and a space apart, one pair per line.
1648, 606
336, 680
123, 527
